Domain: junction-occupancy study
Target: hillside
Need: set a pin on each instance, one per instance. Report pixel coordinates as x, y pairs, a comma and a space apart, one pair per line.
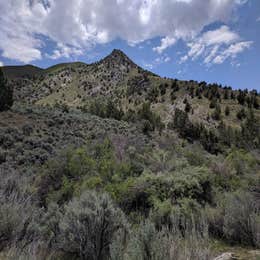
26, 71
110, 161
118, 78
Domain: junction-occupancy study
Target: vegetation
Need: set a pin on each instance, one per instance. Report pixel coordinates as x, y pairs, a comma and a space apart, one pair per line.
127, 166
6, 96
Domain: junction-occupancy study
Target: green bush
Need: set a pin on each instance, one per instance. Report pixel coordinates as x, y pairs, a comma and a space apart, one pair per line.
241, 219
147, 242
236, 218
216, 115
241, 162
16, 221
87, 226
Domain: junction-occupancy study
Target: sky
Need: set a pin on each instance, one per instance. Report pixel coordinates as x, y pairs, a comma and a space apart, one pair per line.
204, 40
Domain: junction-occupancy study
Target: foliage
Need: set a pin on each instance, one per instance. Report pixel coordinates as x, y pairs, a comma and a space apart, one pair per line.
104, 109
6, 93
216, 115
236, 218
88, 225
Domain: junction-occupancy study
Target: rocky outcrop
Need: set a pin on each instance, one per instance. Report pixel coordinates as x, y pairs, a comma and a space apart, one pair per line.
226, 256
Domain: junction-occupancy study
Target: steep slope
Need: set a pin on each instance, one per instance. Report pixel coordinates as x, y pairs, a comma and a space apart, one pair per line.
119, 79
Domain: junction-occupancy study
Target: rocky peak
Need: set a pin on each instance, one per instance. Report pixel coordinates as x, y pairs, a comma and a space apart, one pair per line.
117, 57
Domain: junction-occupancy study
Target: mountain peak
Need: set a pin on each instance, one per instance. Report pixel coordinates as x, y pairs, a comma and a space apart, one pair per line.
117, 52
118, 57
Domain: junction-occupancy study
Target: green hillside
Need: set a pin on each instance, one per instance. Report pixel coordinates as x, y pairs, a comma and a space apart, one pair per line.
110, 161
26, 71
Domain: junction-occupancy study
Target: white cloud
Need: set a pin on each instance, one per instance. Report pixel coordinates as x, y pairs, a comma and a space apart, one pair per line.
149, 66
64, 51
157, 61
184, 58
216, 46
223, 35
232, 51
162, 59
167, 59
1, 64
165, 43
83, 24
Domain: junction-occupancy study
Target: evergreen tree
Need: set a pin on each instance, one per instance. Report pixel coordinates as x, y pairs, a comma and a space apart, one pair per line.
241, 114
251, 129
6, 95
187, 107
241, 97
227, 111
217, 112
213, 103
226, 93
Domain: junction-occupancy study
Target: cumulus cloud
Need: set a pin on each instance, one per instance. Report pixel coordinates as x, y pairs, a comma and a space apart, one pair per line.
64, 51
80, 25
232, 51
165, 43
216, 46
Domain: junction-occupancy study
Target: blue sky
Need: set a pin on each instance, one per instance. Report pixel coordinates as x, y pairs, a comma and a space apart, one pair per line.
204, 40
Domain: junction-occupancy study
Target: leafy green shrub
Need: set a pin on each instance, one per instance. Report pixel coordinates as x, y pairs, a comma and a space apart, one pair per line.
75, 169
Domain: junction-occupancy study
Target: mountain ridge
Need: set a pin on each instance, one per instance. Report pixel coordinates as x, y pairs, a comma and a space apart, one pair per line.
117, 78
22, 71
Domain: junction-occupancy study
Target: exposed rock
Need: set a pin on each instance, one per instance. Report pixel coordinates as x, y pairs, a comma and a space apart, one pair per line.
226, 256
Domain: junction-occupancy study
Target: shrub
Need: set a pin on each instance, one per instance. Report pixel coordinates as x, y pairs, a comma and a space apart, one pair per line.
236, 218
16, 220
216, 115
146, 242
88, 225
241, 114
241, 162
241, 219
